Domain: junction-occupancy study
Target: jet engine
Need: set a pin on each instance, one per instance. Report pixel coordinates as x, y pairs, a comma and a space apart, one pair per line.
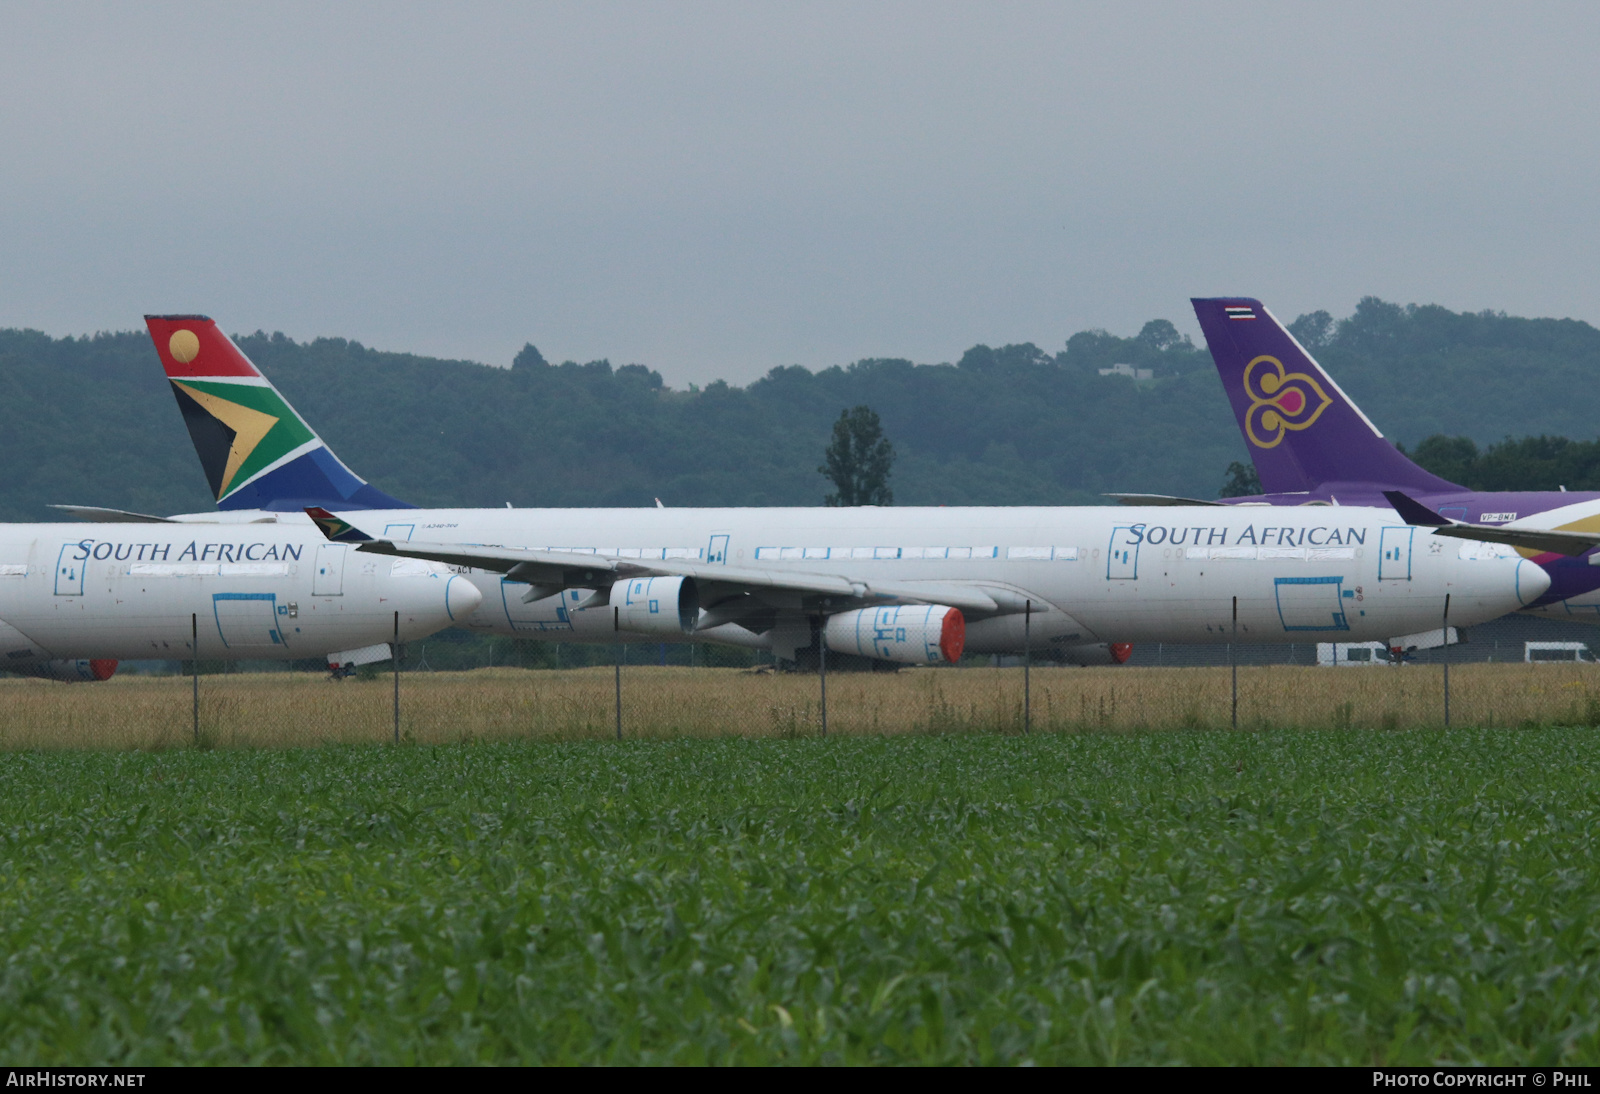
656, 605
80, 671
921, 634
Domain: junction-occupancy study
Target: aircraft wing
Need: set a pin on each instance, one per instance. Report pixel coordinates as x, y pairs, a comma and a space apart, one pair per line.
1157, 499
110, 516
1553, 540
556, 570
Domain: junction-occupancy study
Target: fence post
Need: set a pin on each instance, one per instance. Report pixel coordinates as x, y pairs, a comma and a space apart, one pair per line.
622, 651
396, 660
194, 668
1233, 661
1444, 633
822, 663
1027, 665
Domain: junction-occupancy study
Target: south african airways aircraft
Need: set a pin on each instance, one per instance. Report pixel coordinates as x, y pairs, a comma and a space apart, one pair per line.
905, 584
75, 599
1313, 446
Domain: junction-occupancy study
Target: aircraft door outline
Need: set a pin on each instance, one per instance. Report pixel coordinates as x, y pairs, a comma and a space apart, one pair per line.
1394, 553
247, 619
70, 571
1311, 603
328, 578
1122, 556
717, 551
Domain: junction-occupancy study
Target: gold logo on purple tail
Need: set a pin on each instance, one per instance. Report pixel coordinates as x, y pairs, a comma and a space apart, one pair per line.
1279, 401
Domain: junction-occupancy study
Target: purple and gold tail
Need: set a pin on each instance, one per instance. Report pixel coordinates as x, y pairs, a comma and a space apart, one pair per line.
1303, 433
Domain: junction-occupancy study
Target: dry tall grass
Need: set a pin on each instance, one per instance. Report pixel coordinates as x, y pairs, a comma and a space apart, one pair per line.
247, 711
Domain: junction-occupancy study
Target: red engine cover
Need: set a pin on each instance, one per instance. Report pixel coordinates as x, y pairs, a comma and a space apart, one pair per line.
103, 670
953, 635
1120, 652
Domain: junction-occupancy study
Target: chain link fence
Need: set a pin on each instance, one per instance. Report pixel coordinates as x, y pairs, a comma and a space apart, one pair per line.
508, 690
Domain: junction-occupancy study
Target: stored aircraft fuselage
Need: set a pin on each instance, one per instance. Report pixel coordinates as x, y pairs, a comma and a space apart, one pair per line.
1574, 591
1086, 574
257, 591
1311, 445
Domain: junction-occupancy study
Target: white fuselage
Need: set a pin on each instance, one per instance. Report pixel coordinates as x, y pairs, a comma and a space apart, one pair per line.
1092, 574
270, 591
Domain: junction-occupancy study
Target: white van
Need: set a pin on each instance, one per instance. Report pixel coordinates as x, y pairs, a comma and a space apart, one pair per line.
1551, 652
1352, 653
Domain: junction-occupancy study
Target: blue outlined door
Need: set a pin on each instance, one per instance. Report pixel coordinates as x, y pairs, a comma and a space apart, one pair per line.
1311, 603
1394, 559
718, 551
247, 620
1122, 557
328, 579
69, 570
399, 532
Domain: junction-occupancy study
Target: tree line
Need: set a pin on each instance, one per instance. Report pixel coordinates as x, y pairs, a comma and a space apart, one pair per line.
91, 420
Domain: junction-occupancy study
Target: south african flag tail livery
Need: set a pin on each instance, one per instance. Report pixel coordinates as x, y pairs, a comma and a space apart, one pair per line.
257, 453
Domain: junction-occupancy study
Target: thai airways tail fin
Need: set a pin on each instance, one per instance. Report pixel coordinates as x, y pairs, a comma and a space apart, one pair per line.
257, 453
1301, 430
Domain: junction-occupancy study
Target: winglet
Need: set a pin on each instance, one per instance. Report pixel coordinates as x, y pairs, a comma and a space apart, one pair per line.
336, 529
1414, 512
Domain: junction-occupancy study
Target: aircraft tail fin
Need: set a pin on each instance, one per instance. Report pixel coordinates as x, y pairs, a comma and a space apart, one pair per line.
1300, 429
256, 451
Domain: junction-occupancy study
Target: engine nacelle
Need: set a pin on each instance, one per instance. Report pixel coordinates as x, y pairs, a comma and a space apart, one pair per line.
1097, 653
656, 605
923, 634
79, 671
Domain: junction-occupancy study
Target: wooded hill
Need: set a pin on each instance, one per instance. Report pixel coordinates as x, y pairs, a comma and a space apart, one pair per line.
91, 420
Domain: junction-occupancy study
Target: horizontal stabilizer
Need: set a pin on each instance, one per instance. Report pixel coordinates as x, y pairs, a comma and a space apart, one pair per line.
1157, 499
1414, 512
1552, 541
110, 516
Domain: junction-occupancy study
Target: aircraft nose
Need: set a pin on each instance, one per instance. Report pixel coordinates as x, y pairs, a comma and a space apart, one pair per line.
430, 597
1532, 581
462, 597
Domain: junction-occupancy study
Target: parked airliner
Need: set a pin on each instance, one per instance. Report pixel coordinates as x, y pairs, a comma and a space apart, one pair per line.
1313, 446
75, 599
903, 584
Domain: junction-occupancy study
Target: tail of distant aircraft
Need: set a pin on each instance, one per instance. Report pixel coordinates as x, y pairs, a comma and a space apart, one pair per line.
257, 453
1301, 430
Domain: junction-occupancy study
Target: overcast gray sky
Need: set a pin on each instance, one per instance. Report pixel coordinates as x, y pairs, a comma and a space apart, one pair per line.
715, 189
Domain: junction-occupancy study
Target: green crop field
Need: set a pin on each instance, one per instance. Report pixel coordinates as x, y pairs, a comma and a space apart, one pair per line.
1179, 897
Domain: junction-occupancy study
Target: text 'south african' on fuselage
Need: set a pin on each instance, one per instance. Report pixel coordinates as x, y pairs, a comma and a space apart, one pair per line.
1311, 445
74, 593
